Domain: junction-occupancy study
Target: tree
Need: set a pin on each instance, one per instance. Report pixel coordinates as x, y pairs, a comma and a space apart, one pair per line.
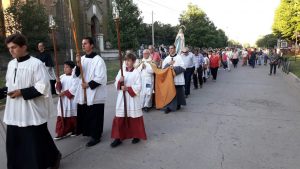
200, 31
130, 25
246, 45
233, 43
267, 41
287, 19
28, 18
164, 33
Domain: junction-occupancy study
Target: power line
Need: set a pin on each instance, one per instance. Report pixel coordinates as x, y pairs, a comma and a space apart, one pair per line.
154, 4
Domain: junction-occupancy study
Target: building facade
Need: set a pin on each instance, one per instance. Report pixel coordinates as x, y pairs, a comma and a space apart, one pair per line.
91, 18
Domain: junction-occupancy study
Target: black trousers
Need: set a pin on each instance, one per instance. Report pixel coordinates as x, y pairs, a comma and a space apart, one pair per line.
30, 147
178, 100
273, 68
204, 72
188, 78
252, 63
198, 77
90, 120
235, 62
214, 72
52, 83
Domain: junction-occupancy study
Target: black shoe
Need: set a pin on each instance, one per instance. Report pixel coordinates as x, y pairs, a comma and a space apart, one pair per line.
178, 107
146, 109
92, 142
135, 141
167, 111
186, 96
116, 143
57, 162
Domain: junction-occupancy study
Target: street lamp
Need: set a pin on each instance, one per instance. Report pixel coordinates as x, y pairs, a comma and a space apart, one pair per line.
52, 26
115, 11
116, 17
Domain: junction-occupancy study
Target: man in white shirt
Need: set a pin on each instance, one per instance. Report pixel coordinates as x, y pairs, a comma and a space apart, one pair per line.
198, 73
28, 107
189, 62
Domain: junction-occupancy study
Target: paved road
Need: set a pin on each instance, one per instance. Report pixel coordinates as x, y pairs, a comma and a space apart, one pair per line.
245, 120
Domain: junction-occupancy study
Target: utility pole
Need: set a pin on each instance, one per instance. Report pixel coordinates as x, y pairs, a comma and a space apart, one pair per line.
152, 30
296, 46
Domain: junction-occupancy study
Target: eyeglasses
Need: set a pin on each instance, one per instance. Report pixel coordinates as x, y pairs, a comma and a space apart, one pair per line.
171, 48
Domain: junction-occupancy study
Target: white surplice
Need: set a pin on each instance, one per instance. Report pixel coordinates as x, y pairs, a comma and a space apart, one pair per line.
133, 80
93, 69
69, 83
178, 79
33, 112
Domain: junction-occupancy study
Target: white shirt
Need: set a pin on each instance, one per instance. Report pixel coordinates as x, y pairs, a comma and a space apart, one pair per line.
199, 60
33, 112
189, 60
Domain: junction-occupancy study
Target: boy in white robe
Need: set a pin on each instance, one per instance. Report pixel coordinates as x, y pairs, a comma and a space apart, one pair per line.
132, 125
147, 77
67, 114
90, 110
28, 107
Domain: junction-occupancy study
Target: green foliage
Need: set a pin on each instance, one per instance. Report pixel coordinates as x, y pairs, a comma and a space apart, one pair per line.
287, 19
29, 19
200, 31
246, 45
130, 25
164, 33
233, 43
267, 41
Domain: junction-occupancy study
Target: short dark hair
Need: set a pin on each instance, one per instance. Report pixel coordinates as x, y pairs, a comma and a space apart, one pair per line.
17, 38
130, 56
70, 63
90, 39
173, 46
41, 42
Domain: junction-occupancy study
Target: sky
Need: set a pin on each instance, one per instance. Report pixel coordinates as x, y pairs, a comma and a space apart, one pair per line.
242, 20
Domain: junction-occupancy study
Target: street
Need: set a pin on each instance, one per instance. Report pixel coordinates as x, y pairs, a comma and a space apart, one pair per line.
245, 120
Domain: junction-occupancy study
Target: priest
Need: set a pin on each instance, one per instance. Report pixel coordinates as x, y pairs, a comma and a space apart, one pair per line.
147, 76
175, 61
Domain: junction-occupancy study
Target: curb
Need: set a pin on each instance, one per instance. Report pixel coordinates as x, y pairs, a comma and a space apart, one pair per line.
108, 83
292, 79
296, 78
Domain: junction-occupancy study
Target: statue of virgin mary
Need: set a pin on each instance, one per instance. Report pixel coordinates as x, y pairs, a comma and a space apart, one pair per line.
179, 41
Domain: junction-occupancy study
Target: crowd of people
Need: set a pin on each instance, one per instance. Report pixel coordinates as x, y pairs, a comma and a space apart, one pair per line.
30, 83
